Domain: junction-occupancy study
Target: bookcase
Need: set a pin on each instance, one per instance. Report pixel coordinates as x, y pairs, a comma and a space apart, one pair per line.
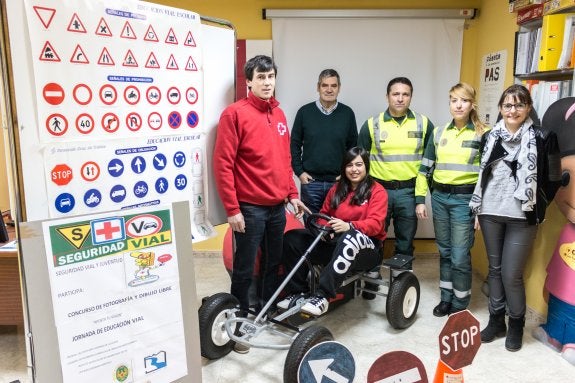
545, 49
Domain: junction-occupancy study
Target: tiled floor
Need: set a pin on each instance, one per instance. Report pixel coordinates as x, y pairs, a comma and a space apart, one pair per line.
362, 327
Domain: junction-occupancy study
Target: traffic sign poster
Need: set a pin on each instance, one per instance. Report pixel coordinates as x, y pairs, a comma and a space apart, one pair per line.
115, 289
110, 175
113, 67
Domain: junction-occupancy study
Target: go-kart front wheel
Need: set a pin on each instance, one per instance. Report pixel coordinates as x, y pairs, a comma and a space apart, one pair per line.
306, 339
402, 300
212, 315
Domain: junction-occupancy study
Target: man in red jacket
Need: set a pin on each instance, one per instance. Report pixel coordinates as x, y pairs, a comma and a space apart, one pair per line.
252, 166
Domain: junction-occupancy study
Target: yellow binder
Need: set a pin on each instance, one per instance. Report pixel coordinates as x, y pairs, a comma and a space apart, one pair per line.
551, 41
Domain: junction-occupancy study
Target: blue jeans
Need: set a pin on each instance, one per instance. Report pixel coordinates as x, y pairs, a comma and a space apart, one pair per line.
313, 194
264, 228
454, 234
401, 208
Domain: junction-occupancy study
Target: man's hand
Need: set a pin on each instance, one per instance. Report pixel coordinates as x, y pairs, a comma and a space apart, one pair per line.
421, 211
305, 178
237, 223
299, 207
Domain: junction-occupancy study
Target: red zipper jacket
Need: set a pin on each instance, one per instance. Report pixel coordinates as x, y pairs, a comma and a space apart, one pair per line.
252, 161
369, 217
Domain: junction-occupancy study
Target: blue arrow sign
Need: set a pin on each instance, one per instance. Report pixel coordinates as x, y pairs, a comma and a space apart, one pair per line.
138, 164
159, 161
331, 360
115, 167
179, 159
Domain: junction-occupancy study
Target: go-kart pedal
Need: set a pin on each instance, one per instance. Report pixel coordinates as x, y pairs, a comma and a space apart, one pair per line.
368, 295
399, 261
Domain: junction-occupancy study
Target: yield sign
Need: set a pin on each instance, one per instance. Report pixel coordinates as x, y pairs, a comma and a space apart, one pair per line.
53, 93
61, 174
45, 15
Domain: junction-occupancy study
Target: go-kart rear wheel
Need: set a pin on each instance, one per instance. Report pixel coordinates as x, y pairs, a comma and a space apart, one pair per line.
306, 339
212, 315
402, 300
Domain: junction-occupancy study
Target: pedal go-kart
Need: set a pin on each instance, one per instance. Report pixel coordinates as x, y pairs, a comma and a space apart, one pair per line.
221, 326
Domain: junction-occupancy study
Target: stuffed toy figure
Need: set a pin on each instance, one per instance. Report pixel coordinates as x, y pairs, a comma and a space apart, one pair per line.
559, 331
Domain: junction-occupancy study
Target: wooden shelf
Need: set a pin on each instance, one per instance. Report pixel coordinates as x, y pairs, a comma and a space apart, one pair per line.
560, 74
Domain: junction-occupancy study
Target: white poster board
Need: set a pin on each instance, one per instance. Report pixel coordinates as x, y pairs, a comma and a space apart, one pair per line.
491, 85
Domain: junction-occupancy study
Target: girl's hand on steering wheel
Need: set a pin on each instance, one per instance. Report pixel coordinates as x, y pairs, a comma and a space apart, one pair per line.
339, 226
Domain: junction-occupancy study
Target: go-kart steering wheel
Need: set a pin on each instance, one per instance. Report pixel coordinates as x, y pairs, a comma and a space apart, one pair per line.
313, 224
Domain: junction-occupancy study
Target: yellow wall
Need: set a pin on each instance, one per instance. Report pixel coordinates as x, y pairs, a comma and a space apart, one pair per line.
493, 30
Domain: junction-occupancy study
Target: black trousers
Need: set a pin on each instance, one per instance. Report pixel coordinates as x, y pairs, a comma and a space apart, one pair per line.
353, 251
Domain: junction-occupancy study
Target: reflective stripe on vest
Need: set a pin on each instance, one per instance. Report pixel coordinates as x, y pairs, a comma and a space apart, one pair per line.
468, 167
418, 153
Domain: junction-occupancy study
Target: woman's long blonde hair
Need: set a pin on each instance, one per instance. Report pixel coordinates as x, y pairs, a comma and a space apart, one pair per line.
467, 92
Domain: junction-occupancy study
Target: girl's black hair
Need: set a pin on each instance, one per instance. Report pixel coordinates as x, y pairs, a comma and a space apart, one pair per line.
363, 190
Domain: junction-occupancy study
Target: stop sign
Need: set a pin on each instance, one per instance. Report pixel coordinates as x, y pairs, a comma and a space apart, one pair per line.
61, 174
459, 340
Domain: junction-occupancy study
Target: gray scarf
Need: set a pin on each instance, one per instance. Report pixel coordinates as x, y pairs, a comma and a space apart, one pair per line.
526, 175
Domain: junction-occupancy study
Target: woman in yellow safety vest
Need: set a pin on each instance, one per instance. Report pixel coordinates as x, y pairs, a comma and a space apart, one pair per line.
450, 168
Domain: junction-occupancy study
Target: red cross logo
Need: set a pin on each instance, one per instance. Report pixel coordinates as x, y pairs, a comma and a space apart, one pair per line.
108, 230
282, 129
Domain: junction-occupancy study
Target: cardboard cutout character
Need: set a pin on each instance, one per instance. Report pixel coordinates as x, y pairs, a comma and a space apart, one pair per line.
559, 331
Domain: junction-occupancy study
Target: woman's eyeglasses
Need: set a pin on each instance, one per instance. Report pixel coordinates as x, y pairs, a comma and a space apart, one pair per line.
518, 107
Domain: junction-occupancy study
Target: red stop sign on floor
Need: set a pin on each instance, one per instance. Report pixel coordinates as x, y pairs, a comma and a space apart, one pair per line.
61, 174
459, 340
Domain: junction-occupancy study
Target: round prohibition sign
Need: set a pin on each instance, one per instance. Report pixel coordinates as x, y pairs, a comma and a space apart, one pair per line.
108, 94
133, 121
155, 121
132, 95
56, 124
84, 123
90, 171
174, 95
153, 95
175, 119
192, 119
110, 122
82, 94
191, 95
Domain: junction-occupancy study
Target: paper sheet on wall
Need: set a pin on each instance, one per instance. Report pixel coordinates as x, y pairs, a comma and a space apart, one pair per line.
116, 299
491, 85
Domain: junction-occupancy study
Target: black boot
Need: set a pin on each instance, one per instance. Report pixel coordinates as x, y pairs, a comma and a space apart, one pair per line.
495, 328
514, 339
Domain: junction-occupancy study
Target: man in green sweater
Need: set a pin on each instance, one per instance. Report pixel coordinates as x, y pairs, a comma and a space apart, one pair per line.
322, 132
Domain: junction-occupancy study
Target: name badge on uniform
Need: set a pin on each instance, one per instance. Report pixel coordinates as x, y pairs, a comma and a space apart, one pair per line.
415, 134
470, 144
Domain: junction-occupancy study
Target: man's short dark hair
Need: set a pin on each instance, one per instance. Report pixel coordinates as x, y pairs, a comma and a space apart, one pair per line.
399, 80
262, 63
328, 73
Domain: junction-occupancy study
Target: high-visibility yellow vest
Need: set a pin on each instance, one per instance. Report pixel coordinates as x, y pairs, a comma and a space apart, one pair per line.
396, 149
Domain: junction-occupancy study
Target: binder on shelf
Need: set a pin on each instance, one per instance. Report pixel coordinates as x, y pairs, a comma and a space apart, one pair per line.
550, 94
551, 41
554, 6
521, 53
567, 47
536, 48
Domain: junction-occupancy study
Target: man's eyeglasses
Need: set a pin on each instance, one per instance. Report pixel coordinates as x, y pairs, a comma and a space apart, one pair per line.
518, 107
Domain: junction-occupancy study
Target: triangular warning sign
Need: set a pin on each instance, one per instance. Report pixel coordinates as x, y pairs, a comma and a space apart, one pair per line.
190, 40
172, 64
79, 57
151, 34
191, 65
76, 24
130, 60
48, 53
128, 31
152, 61
103, 29
45, 15
106, 58
75, 235
171, 37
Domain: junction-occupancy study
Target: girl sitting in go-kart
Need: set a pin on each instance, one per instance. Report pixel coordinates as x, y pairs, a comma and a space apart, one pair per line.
357, 206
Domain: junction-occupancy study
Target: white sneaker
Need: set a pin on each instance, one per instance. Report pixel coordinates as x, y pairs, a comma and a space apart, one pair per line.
316, 306
285, 303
